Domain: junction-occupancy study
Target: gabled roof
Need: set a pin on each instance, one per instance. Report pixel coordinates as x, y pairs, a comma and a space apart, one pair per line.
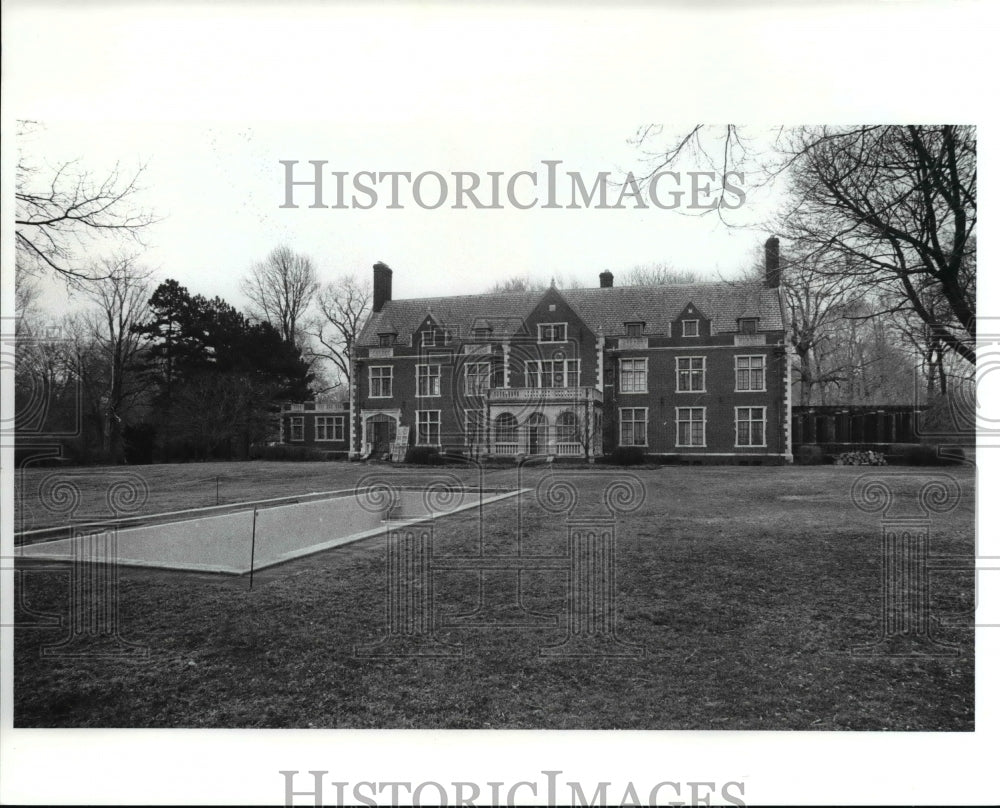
604, 309
502, 311
608, 309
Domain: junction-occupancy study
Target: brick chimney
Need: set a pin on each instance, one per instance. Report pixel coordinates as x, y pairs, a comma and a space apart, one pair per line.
772, 270
381, 286
607, 279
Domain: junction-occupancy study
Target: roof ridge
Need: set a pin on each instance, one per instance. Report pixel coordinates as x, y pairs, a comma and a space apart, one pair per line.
561, 289
459, 297
696, 284
600, 308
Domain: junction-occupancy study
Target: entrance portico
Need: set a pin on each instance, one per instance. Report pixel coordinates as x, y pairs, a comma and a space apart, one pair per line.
378, 430
561, 422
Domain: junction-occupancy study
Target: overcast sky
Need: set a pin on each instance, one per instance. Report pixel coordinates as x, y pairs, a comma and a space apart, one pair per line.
219, 187
212, 99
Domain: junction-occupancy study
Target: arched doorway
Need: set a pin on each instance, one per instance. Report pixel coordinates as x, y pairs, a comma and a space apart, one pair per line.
505, 434
380, 432
538, 428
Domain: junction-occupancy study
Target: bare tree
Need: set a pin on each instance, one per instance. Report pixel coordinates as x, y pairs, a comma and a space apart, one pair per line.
896, 204
280, 289
814, 301
840, 353
61, 210
343, 306
659, 274
118, 290
217, 410
26, 293
44, 381
525, 283
519, 283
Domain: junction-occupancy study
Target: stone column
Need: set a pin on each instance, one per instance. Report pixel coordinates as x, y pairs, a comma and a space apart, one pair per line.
589, 425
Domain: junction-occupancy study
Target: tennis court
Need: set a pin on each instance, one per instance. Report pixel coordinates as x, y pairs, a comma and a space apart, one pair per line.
259, 537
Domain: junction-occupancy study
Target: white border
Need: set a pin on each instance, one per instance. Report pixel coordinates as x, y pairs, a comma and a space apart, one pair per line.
758, 62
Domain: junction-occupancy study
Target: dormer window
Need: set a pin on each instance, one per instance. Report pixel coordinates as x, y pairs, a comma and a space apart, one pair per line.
633, 330
690, 328
432, 337
552, 332
386, 340
747, 325
481, 334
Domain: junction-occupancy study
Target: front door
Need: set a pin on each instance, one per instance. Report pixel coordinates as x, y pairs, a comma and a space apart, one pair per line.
381, 434
536, 434
534, 439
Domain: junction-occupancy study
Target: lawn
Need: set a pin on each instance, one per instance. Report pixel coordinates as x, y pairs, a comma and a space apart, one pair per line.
741, 592
174, 487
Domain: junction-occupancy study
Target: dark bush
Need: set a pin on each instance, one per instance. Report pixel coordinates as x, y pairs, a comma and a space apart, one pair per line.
423, 455
283, 451
809, 454
140, 443
627, 456
955, 455
939, 416
914, 454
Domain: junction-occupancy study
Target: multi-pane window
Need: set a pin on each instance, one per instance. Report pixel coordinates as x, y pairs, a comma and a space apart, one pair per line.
690, 426
552, 332
749, 373
748, 325
296, 428
566, 427
750, 426
429, 427
552, 373
633, 330
474, 432
431, 337
329, 427
428, 380
380, 381
690, 328
386, 340
477, 378
691, 374
633, 426
633, 376
506, 428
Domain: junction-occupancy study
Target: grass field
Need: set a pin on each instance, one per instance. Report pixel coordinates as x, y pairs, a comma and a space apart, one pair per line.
180, 486
745, 588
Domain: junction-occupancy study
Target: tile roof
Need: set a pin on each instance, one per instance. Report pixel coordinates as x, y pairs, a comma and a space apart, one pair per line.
723, 303
604, 309
503, 311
